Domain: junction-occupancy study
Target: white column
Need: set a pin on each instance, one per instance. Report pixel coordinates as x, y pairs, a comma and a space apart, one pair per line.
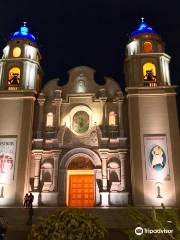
37, 162
123, 171
58, 101
41, 101
103, 99
55, 172
104, 173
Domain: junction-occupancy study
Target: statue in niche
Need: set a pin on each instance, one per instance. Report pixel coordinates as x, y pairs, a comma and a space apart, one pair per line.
114, 176
81, 82
47, 177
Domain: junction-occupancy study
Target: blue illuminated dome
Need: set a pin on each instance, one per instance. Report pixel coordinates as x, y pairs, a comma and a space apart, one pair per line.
143, 28
24, 33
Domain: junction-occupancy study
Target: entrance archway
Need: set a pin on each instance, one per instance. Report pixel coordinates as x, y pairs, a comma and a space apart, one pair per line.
80, 183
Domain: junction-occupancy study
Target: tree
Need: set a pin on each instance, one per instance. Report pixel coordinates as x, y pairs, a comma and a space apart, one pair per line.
69, 224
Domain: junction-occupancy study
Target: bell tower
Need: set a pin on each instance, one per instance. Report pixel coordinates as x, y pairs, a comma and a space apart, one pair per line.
153, 121
20, 64
147, 64
20, 79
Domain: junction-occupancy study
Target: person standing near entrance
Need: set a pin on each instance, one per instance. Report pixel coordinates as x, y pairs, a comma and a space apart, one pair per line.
30, 200
26, 200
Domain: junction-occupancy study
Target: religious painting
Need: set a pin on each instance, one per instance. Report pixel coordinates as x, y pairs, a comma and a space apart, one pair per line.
7, 159
156, 157
80, 122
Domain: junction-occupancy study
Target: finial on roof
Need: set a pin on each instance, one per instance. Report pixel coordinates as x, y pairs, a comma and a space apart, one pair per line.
24, 33
24, 24
142, 19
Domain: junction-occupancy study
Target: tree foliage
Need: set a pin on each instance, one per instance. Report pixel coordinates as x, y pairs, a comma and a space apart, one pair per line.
69, 224
165, 218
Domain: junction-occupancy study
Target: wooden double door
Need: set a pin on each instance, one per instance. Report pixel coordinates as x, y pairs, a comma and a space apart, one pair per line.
81, 189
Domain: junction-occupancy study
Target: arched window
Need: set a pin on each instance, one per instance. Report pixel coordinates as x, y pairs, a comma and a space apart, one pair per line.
149, 74
147, 47
14, 78
113, 170
16, 52
46, 176
49, 120
112, 118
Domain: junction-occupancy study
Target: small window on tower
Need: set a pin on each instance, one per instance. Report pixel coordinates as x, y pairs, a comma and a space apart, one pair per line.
112, 118
16, 52
14, 78
147, 47
149, 74
49, 120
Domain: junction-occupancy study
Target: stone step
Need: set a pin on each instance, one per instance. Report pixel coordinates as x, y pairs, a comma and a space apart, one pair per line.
112, 218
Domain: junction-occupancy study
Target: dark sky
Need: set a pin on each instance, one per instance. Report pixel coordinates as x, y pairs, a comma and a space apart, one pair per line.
90, 32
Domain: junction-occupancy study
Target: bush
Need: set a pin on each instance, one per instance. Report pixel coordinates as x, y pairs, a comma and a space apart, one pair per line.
69, 224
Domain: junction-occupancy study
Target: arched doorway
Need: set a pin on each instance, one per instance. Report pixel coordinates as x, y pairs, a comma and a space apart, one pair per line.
80, 183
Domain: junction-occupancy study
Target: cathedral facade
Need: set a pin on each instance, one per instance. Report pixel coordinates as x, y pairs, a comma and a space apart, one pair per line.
83, 144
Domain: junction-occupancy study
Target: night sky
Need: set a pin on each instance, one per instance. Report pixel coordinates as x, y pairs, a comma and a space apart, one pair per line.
90, 32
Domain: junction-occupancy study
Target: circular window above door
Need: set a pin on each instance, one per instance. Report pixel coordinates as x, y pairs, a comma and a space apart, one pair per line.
81, 122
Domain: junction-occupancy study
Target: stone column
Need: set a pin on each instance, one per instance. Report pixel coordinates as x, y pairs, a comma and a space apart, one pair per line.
58, 101
37, 163
55, 172
120, 114
98, 176
104, 170
41, 101
104, 173
122, 157
103, 98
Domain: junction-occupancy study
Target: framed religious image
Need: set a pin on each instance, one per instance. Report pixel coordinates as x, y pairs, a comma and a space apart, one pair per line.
80, 122
156, 157
7, 158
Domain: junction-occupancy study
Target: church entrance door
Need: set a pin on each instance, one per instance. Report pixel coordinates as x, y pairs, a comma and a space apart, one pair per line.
80, 188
